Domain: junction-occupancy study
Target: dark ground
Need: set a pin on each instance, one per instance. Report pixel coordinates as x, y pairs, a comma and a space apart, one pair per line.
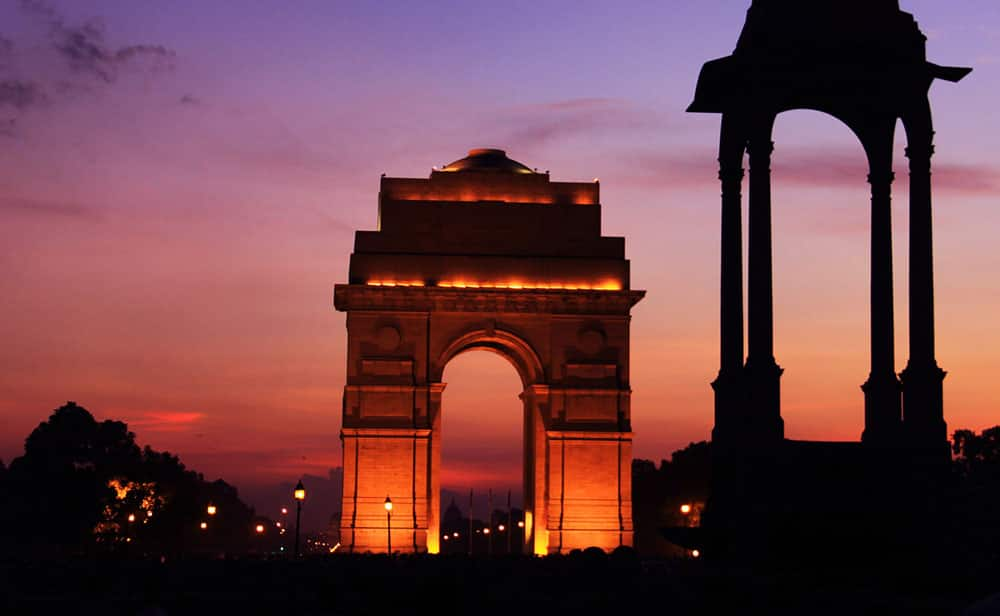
577, 584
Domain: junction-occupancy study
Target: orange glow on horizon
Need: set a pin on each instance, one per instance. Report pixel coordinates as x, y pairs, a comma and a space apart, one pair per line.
606, 285
395, 283
576, 197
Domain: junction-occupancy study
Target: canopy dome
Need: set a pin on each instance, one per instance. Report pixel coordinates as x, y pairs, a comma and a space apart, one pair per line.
486, 160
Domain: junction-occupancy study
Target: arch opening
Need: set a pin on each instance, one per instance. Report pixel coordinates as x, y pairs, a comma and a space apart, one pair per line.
483, 453
821, 202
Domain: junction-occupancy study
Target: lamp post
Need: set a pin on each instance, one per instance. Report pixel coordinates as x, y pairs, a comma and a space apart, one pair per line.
300, 495
388, 524
128, 531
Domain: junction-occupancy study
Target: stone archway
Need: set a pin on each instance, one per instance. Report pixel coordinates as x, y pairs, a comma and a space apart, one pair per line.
488, 254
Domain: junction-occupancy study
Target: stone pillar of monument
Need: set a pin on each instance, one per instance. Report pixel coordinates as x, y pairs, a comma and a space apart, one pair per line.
882, 389
728, 385
536, 535
923, 404
587, 472
762, 372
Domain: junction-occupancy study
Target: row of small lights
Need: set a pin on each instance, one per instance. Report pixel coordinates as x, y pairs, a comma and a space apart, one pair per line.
300, 495
461, 284
485, 531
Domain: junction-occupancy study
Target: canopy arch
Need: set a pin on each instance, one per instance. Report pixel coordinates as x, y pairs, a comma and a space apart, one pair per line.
508, 345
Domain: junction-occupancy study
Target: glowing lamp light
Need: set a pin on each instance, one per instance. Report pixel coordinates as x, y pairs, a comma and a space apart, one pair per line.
211, 509
455, 535
486, 531
695, 553
203, 525
446, 537
131, 517
520, 524
300, 491
260, 529
284, 511
149, 513
387, 504
685, 509
501, 528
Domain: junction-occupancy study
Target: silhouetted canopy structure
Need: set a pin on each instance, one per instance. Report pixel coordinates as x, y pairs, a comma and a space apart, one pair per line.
863, 62
858, 55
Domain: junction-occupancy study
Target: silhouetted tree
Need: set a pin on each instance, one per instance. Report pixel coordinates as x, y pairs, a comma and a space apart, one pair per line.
977, 456
83, 485
658, 493
976, 507
59, 488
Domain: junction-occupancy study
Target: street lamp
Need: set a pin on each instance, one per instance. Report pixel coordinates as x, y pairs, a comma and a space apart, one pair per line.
685, 509
300, 495
211, 509
388, 524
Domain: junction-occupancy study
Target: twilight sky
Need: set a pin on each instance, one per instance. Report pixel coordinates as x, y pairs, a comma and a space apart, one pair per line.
180, 182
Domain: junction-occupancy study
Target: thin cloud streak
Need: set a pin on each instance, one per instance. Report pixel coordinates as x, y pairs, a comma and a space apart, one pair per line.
810, 167
85, 51
21, 94
553, 122
49, 208
167, 421
65, 63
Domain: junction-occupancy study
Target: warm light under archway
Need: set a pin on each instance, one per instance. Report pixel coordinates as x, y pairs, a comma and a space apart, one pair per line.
482, 434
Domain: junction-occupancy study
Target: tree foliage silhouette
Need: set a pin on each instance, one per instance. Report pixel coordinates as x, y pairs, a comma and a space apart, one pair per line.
976, 504
80, 480
658, 493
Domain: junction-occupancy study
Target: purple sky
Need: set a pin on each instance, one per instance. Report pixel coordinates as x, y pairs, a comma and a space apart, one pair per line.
179, 184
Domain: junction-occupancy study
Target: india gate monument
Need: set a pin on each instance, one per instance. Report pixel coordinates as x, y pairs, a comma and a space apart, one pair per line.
490, 254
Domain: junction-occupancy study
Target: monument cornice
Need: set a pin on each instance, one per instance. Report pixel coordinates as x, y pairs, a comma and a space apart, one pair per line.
359, 297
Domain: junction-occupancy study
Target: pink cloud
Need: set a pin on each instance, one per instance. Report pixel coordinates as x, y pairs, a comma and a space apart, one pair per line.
809, 167
166, 421
547, 123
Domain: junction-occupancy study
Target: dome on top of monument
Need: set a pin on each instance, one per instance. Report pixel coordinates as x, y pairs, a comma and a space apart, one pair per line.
486, 160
